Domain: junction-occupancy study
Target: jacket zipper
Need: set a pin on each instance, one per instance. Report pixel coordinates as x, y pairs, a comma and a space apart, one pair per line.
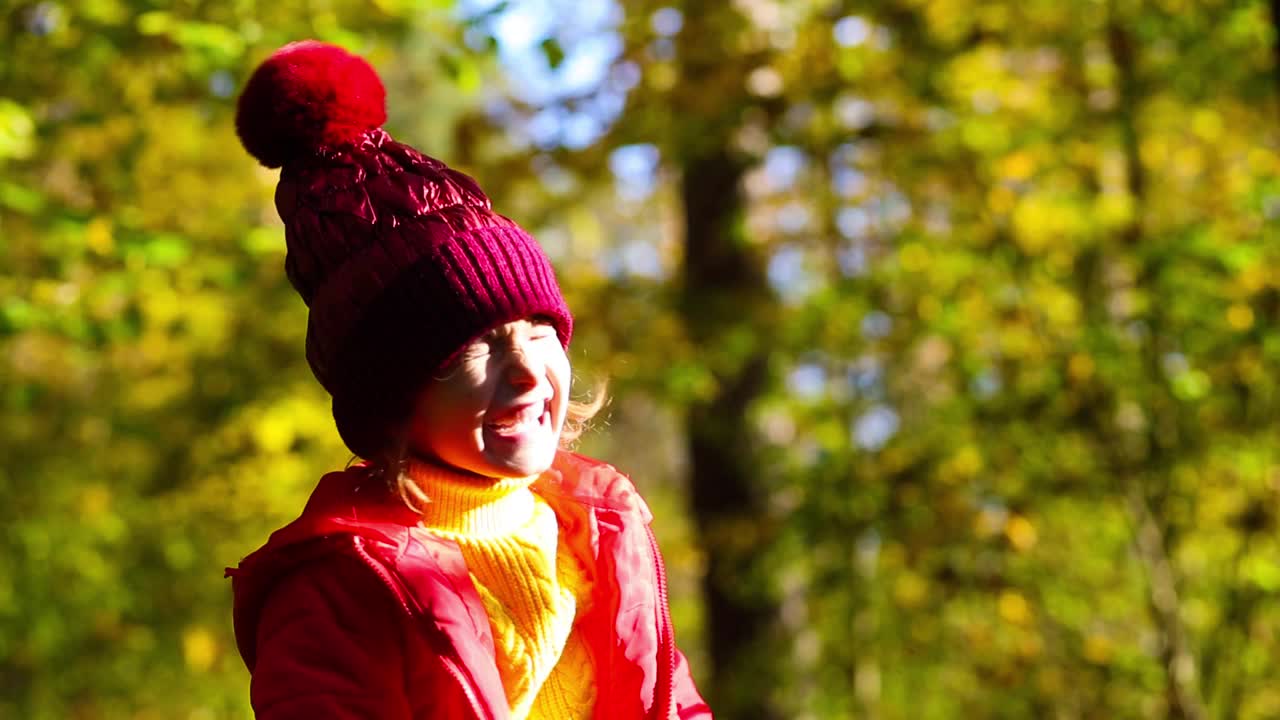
663, 702
450, 665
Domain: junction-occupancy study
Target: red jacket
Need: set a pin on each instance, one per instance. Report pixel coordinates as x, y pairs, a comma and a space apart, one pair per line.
346, 614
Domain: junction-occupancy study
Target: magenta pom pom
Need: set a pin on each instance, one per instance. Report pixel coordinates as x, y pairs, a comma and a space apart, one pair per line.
306, 97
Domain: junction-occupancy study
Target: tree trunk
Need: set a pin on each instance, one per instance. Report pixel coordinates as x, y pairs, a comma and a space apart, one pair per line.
1275, 32
722, 293
725, 303
1182, 697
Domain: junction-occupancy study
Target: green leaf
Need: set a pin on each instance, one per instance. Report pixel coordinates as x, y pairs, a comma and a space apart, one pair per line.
553, 51
17, 130
22, 199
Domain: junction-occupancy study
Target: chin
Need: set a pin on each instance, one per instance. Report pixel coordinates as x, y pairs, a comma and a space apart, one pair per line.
520, 455
524, 467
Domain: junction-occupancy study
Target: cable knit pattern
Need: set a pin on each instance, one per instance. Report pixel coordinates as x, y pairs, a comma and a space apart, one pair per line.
509, 538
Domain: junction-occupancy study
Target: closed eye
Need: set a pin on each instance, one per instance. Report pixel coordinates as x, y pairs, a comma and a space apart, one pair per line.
542, 329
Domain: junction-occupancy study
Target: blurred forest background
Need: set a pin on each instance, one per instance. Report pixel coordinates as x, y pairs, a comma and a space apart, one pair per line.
942, 334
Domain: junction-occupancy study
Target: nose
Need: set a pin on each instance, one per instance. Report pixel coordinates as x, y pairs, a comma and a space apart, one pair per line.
521, 371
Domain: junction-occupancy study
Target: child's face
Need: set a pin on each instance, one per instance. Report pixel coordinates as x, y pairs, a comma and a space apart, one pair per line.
498, 410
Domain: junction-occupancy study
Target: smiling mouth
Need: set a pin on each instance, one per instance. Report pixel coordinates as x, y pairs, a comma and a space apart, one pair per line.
519, 420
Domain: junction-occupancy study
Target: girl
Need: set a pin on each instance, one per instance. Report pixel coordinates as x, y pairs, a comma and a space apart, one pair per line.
468, 567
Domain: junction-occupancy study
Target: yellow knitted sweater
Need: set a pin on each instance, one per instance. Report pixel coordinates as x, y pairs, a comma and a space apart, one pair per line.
509, 537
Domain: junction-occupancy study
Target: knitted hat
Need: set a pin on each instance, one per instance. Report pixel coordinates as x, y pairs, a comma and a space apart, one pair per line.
400, 259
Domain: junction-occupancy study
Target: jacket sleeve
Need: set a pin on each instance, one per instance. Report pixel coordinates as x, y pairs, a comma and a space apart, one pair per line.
689, 703
330, 644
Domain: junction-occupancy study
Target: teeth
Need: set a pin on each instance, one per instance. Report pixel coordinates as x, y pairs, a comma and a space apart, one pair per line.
526, 416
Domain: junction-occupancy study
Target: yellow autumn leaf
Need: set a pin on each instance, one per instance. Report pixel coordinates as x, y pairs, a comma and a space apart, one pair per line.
1014, 608
199, 648
1021, 533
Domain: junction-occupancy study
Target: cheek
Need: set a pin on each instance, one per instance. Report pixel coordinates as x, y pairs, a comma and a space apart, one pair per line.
563, 381
450, 411
462, 417
467, 391
561, 375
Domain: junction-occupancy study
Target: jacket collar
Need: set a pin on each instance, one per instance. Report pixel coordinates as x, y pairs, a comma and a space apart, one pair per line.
355, 501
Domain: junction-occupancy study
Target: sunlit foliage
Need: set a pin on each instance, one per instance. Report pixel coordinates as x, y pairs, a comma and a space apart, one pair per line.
1016, 442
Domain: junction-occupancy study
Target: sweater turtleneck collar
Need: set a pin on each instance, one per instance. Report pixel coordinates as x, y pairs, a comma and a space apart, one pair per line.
465, 504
